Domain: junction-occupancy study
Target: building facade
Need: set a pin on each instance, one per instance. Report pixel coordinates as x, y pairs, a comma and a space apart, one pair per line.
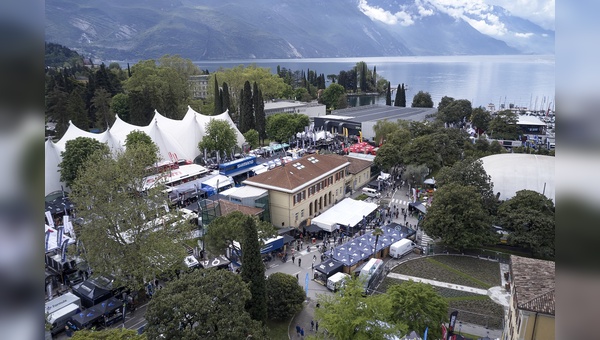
312, 109
199, 86
301, 189
531, 314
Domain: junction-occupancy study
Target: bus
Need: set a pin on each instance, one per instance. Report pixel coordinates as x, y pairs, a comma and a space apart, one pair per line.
182, 174
238, 166
371, 273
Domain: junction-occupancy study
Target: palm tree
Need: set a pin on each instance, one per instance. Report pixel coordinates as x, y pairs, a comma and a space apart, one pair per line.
377, 232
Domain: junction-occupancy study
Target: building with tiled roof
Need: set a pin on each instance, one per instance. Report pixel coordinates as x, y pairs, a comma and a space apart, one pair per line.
359, 172
531, 314
301, 189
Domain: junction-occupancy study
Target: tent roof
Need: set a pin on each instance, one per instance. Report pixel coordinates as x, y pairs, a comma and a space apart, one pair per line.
347, 212
329, 266
361, 247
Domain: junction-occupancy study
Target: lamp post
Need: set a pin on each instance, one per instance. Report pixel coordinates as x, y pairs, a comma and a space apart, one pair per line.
459, 327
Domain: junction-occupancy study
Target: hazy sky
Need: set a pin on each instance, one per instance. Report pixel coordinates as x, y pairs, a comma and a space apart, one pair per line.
540, 12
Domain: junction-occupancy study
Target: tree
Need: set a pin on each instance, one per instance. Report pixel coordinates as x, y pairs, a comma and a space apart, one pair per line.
504, 126
220, 137
376, 232
226, 100
251, 137
529, 218
119, 106
76, 109
444, 102
402, 96
383, 129
121, 233
140, 108
247, 120
458, 217
397, 99
481, 118
333, 96
350, 315
281, 127
422, 99
101, 105
388, 95
259, 109
422, 150
253, 271
419, 306
285, 296
414, 175
455, 112
75, 155
137, 137
218, 109
108, 334
203, 304
224, 230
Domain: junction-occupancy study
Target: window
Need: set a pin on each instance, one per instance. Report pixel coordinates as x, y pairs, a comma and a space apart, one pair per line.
296, 217
302, 213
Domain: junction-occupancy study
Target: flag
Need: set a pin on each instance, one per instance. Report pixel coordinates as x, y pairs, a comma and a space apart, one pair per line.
305, 284
47, 238
49, 218
59, 235
425, 334
64, 250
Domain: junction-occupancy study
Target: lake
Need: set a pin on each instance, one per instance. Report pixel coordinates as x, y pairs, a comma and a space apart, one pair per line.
493, 79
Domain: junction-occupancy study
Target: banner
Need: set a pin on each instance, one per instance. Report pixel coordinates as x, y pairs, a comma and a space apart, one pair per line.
49, 218
59, 235
64, 250
47, 239
425, 334
306, 284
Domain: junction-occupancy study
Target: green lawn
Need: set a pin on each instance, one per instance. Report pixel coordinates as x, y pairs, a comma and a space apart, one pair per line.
277, 329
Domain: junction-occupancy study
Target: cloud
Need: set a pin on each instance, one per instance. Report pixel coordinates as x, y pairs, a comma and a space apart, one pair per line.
387, 17
541, 12
474, 12
523, 35
425, 12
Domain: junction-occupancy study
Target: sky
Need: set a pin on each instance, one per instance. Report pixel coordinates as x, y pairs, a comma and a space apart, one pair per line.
540, 12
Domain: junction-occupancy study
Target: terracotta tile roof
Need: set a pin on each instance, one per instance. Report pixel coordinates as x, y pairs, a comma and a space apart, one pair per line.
357, 165
299, 173
534, 282
228, 207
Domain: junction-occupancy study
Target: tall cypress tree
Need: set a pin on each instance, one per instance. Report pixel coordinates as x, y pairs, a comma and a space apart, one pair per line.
253, 271
226, 102
388, 95
403, 97
398, 99
261, 120
246, 110
217, 95
374, 80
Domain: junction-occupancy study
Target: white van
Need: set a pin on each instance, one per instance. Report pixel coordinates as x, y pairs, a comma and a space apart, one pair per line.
371, 192
400, 248
61, 301
337, 281
59, 318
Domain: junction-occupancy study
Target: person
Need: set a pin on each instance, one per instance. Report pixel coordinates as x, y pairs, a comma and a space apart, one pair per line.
293, 258
298, 330
317, 326
302, 332
314, 258
69, 331
312, 325
299, 260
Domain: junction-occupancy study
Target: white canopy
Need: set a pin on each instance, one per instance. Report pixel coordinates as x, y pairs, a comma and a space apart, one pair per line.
53, 239
347, 212
176, 139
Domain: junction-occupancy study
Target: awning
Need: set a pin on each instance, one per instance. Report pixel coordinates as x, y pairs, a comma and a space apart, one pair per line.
313, 228
419, 206
329, 267
287, 239
429, 181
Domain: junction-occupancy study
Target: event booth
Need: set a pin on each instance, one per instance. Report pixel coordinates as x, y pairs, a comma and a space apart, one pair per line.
348, 212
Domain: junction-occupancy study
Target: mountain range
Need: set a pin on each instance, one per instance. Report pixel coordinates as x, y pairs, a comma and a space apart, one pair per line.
262, 29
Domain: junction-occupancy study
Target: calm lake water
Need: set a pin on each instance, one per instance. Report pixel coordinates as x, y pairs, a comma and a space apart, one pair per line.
481, 79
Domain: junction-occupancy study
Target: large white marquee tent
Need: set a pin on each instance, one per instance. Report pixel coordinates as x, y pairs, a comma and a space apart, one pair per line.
348, 212
176, 139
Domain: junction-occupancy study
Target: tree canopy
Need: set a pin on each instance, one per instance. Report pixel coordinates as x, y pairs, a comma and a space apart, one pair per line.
251, 137
108, 334
285, 296
455, 112
283, 126
223, 230
220, 137
350, 315
253, 271
504, 125
204, 304
419, 306
481, 118
334, 97
77, 151
121, 233
458, 217
137, 137
422, 99
529, 217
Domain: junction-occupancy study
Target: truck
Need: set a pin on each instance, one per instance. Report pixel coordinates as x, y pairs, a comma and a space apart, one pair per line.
60, 309
401, 248
337, 281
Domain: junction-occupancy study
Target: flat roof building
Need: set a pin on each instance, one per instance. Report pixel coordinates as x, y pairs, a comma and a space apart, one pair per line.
364, 118
311, 109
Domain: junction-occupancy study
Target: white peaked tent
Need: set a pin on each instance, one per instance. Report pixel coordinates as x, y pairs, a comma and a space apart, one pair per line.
347, 212
176, 139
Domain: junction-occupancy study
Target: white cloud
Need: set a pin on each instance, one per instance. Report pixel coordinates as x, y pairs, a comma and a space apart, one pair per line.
387, 17
425, 12
541, 12
523, 35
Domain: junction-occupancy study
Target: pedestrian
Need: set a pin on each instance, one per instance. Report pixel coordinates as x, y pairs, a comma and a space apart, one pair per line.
312, 325
68, 331
314, 258
293, 258
302, 332
317, 326
404, 217
298, 330
312, 266
299, 261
